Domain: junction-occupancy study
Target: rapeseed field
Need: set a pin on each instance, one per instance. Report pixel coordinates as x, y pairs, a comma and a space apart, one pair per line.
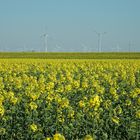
69, 99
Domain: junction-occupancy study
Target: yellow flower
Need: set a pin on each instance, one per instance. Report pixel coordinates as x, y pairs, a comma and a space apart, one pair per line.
88, 137
115, 96
107, 104
138, 114
84, 84
95, 102
71, 113
49, 98
115, 119
33, 127
81, 104
76, 84
49, 86
14, 100
113, 91
10, 94
34, 96
1, 110
48, 138
33, 106
138, 101
118, 110
58, 136
1, 99
135, 93
61, 119
64, 102
68, 87
128, 102
101, 90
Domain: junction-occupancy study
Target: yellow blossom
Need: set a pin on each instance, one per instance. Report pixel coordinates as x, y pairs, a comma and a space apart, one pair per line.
58, 136
48, 138
64, 102
115, 119
138, 114
138, 101
81, 104
33, 127
84, 85
10, 94
14, 100
107, 104
61, 119
128, 102
33, 106
135, 93
118, 110
34, 96
1, 99
68, 87
71, 113
113, 91
1, 110
76, 84
88, 137
95, 102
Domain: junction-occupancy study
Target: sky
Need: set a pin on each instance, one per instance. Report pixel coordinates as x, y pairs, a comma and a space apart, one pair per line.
71, 25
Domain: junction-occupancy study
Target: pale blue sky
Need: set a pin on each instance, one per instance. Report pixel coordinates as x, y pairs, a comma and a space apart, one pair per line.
70, 24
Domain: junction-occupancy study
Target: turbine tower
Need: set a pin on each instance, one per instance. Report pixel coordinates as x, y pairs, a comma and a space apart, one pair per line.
118, 47
131, 45
57, 47
99, 35
45, 36
85, 48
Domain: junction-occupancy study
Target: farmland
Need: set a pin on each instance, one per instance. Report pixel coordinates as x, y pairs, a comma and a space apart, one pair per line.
71, 55
49, 99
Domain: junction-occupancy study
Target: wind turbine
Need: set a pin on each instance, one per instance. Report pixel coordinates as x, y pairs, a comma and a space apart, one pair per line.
45, 36
118, 47
99, 35
57, 47
85, 49
131, 45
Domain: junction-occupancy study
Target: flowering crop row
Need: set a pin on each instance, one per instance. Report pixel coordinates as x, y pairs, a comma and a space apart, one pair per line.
71, 55
69, 99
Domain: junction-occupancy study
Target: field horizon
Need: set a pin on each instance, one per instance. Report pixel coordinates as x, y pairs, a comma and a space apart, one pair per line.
72, 55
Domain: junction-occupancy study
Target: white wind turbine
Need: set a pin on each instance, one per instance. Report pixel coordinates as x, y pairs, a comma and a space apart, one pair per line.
99, 35
45, 36
57, 47
118, 47
85, 49
131, 46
